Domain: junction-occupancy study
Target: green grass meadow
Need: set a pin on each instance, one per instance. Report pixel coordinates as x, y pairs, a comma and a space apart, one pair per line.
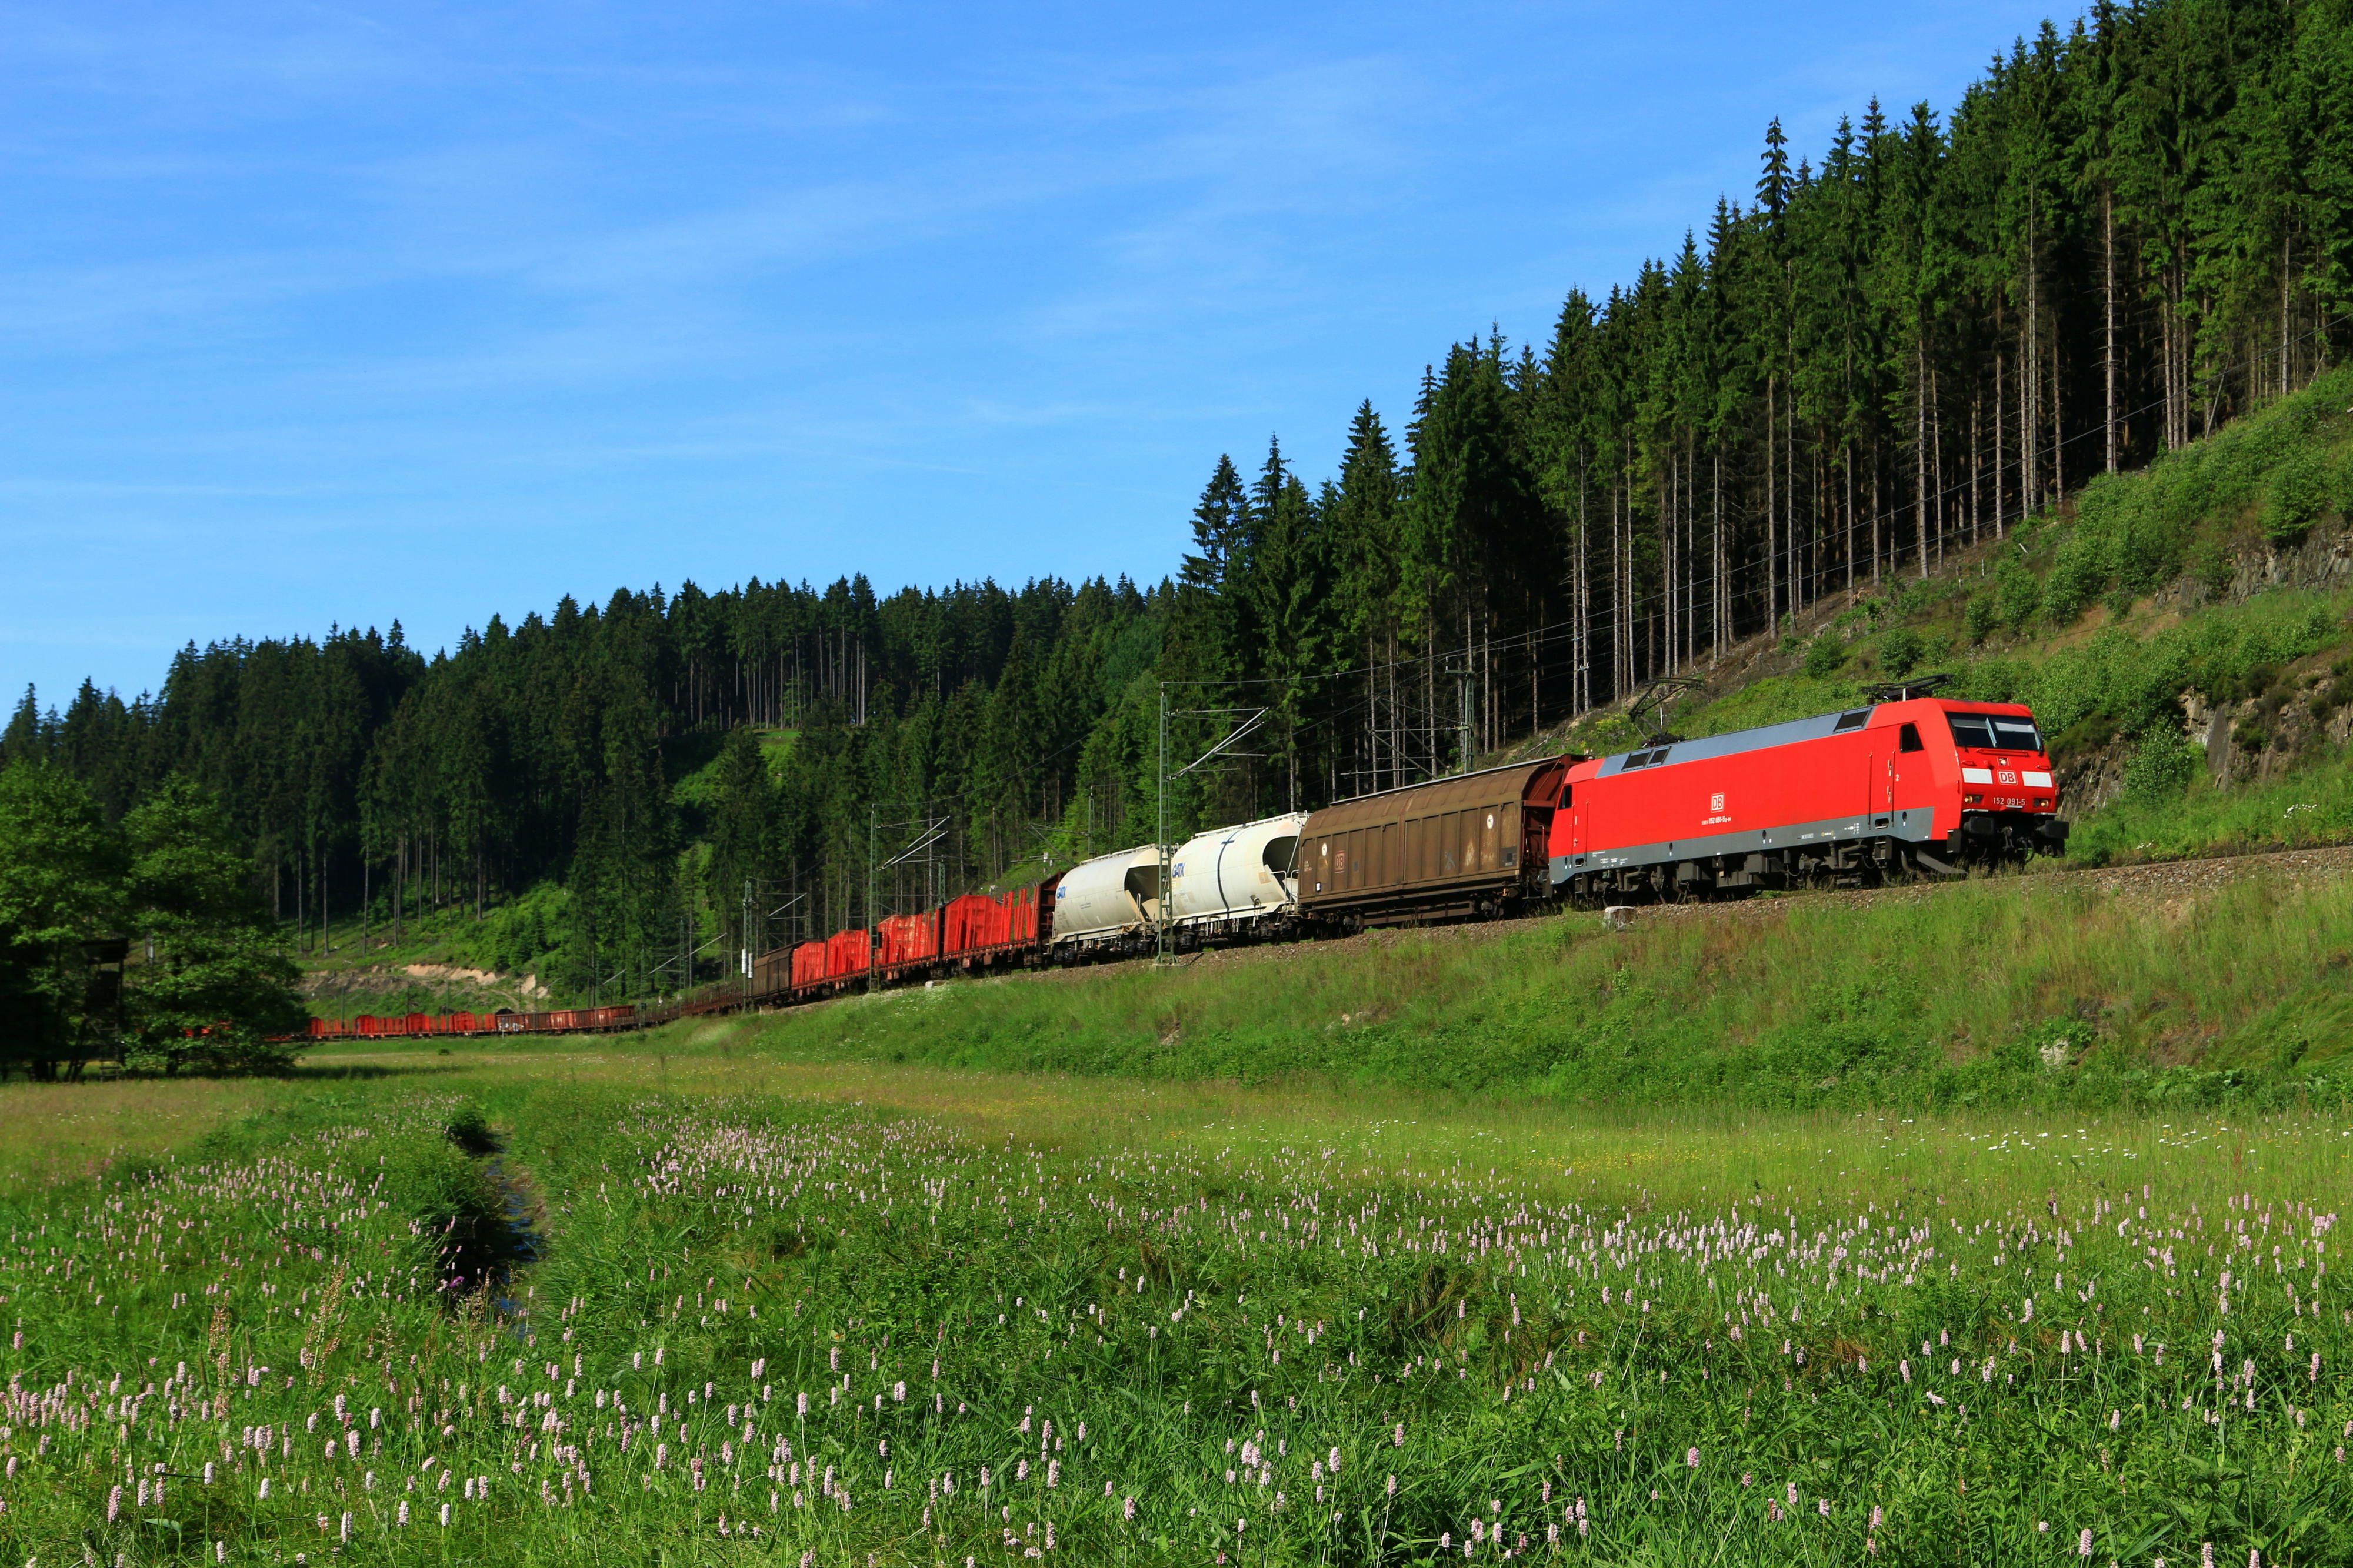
780, 1306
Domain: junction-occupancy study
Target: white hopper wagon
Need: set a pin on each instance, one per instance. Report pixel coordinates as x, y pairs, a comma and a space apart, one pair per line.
1108, 903
1235, 881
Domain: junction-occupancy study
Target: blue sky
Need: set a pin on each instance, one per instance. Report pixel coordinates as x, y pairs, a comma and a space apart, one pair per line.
328, 313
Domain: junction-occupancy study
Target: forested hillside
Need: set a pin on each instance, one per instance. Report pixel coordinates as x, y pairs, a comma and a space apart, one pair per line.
1895, 348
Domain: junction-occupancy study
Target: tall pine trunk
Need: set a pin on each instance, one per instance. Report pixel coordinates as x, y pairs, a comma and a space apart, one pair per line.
1719, 587
2030, 377
1976, 463
1622, 630
1772, 513
1846, 464
1668, 564
2058, 464
2288, 252
1581, 694
2000, 460
2108, 307
1920, 446
1936, 458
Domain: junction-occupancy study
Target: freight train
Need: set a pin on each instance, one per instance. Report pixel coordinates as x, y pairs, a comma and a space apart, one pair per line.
560, 1021
1913, 786
1916, 786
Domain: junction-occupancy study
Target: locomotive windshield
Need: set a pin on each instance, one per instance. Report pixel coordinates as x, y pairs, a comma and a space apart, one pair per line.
1995, 731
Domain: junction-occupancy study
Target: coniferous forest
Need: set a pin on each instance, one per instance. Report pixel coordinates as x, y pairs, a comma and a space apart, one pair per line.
1895, 345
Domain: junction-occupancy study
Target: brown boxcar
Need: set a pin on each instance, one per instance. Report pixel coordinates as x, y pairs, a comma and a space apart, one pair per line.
1470, 845
772, 972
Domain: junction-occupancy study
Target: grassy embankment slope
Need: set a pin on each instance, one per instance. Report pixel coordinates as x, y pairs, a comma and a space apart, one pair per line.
2181, 631
2017, 991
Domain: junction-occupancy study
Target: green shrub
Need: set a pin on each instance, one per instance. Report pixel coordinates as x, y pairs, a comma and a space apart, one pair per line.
2297, 495
2240, 464
2160, 768
2236, 655
2128, 538
1979, 616
2149, 552
2153, 533
2018, 593
2184, 491
1994, 680
2212, 566
1899, 651
2065, 690
2134, 684
2079, 574
1922, 595
1824, 654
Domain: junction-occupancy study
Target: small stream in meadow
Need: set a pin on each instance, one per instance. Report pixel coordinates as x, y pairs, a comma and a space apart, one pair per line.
521, 1245
486, 1249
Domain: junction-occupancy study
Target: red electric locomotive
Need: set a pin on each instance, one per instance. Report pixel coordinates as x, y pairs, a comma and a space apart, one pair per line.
1924, 785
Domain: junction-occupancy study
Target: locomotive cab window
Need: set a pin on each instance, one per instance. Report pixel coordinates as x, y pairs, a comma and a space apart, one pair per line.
1974, 730
1907, 739
1995, 731
2013, 733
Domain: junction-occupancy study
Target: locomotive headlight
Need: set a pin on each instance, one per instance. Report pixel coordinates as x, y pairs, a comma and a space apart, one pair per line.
1972, 800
